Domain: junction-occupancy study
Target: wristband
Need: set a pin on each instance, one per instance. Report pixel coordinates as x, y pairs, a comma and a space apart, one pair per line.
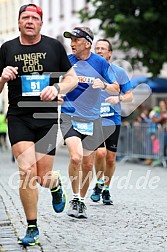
56, 85
105, 86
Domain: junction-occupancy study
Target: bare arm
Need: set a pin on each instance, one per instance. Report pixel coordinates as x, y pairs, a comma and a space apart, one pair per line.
68, 83
161, 119
127, 97
112, 88
156, 119
8, 73
2, 83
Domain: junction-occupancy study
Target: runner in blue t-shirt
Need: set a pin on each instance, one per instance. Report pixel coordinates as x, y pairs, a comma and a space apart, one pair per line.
111, 121
80, 113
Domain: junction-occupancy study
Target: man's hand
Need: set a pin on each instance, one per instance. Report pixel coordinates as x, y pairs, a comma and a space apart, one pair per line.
112, 88
9, 73
112, 99
60, 98
49, 93
97, 83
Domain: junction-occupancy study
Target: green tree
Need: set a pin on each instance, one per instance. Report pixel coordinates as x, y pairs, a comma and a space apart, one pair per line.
140, 26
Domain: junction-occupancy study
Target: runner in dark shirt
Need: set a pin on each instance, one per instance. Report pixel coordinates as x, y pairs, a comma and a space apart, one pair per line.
31, 64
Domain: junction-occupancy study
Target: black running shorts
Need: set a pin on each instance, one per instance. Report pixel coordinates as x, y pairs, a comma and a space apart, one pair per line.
111, 135
42, 132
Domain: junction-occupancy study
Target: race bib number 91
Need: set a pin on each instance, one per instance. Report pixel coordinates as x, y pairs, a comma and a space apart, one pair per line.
32, 85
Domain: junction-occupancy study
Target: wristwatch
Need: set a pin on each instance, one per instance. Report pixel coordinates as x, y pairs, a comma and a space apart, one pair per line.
56, 85
120, 98
105, 86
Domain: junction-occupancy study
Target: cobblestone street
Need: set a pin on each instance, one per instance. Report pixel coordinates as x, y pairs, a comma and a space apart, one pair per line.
136, 222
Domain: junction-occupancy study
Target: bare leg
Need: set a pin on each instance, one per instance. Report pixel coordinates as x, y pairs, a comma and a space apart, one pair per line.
87, 173
110, 167
25, 155
46, 177
33, 167
100, 163
74, 146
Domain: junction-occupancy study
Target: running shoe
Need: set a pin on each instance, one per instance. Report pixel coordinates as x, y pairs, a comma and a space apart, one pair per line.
95, 196
58, 198
106, 197
74, 208
31, 237
82, 211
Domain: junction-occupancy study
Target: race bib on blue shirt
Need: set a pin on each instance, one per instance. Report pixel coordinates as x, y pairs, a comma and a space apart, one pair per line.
32, 85
106, 110
85, 128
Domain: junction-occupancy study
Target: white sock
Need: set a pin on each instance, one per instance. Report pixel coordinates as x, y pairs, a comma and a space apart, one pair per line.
75, 196
82, 199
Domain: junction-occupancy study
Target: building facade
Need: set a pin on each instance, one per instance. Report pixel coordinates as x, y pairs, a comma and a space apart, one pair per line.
58, 16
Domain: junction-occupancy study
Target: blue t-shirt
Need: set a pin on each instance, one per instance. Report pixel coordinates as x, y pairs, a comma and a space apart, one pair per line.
111, 113
84, 101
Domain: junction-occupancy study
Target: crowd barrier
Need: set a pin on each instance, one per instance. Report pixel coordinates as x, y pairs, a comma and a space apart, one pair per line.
143, 141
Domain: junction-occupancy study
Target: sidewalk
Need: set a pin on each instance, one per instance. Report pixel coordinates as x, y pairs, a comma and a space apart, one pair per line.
8, 238
136, 222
